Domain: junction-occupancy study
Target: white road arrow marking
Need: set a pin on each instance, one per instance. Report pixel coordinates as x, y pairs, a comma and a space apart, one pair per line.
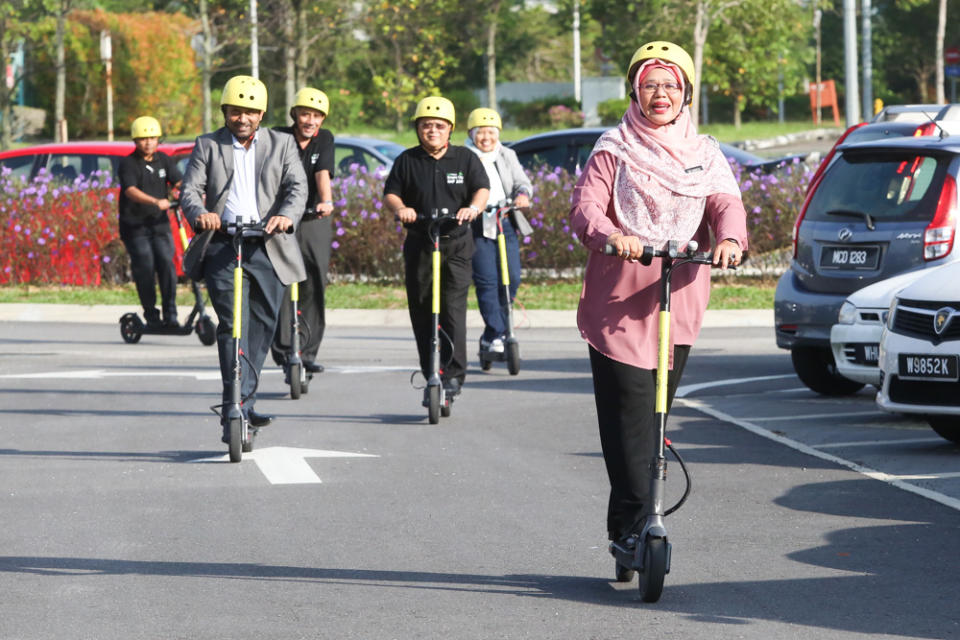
288, 465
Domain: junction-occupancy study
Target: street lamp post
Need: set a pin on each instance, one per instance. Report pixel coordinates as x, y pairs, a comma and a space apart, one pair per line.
106, 54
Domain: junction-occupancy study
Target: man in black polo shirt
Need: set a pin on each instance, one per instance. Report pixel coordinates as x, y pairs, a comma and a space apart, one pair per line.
438, 175
146, 176
315, 232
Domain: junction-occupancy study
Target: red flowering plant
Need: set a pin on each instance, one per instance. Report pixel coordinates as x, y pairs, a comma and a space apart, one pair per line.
56, 232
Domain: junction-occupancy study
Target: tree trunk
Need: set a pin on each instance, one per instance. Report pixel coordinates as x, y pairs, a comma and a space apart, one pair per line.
492, 55
60, 96
206, 64
737, 109
941, 31
303, 43
288, 18
6, 106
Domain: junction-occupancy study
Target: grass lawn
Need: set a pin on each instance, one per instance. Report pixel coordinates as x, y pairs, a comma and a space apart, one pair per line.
561, 294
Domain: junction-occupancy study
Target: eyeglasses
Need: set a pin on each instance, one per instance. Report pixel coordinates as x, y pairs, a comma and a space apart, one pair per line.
651, 87
439, 126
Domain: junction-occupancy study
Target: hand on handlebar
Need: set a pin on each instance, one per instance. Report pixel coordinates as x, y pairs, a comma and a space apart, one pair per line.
208, 221
163, 204
625, 247
466, 214
406, 215
278, 224
727, 254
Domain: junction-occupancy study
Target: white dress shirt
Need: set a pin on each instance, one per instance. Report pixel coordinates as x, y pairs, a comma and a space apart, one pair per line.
241, 202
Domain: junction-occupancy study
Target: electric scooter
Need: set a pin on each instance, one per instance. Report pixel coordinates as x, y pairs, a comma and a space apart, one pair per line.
241, 432
132, 328
435, 397
511, 351
297, 376
649, 551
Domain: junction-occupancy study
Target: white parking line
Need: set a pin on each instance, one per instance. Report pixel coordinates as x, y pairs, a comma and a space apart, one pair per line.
896, 481
878, 443
686, 389
810, 416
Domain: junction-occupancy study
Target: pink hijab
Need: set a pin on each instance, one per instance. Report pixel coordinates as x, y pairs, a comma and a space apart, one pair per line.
664, 173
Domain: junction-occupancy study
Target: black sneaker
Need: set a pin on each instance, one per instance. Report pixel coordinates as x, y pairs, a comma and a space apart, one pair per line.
312, 367
452, 387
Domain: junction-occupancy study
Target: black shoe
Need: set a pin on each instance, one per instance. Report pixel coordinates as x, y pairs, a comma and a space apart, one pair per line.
312, 367
171, 323
452, 387
258, 419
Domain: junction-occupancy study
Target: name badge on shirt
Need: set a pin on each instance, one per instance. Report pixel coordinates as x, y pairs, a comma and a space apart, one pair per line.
693, 169
455, 178
313, 158
163, 173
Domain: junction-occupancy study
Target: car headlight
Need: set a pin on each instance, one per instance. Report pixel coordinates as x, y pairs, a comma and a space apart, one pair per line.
848, 313
891, 311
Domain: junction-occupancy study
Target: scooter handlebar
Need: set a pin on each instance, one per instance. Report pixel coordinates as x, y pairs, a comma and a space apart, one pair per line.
690, 254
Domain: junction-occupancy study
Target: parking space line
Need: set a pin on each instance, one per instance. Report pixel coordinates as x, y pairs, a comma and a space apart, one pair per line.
810, 416
930, 476
871, 443
686, 389
895, 481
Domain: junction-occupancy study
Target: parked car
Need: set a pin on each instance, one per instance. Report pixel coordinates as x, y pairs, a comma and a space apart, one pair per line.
570, 149
880, 209
920, 352
855, 338
365, 152
67, 160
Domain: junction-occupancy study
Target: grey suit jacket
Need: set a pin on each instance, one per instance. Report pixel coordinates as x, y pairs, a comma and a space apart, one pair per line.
281, 190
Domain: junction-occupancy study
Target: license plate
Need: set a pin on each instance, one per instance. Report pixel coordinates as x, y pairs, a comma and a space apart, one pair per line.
869, 353
849, 257
914, 366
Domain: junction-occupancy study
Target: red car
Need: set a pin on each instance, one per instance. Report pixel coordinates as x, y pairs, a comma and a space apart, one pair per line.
68, 160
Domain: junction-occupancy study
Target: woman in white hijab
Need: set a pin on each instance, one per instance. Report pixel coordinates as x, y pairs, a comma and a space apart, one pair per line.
507, 180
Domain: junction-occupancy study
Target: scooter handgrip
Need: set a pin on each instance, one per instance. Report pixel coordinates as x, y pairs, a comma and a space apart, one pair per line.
609, 250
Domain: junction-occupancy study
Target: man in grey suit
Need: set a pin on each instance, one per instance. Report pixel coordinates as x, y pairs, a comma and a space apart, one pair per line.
241, 172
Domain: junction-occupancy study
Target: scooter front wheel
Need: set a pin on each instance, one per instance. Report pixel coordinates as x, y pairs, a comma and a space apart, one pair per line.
433, 404
654, 569
131, 328
236, 440
206, 330
513, 358
294, 372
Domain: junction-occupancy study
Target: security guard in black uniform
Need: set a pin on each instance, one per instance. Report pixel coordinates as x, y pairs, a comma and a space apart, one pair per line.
146, 176
315, 233
438, 175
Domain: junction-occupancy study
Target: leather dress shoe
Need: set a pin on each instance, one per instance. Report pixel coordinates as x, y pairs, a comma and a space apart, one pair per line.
312, 367
258, 420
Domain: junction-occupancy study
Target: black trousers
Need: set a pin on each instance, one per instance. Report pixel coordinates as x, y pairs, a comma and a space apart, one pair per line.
456, 273
262, 295
626, 400
150, 248
314, 237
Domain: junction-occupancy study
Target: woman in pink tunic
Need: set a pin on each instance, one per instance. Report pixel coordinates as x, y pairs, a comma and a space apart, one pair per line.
650, 180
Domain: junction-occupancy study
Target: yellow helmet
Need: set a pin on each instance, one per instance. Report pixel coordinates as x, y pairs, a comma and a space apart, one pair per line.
312, 99
145, 127
668, 52
244, 91
484, 117
435, 107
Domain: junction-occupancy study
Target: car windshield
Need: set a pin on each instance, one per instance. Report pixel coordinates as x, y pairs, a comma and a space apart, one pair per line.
887, 186
390, 150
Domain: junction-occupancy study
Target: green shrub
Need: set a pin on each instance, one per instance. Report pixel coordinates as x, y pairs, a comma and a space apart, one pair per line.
536, 113
611, 111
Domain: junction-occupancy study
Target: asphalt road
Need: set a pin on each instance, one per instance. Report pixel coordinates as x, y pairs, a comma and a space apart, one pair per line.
354, 518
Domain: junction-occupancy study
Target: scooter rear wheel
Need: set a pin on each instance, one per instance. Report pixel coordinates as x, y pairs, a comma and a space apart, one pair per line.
295, 388
206, 330
248, 443
513, 358
131, 328
654, 569
445, 410
236, 440
433, 404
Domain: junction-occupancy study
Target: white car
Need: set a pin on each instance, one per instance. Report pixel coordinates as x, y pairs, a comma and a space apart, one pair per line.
920, 351
855, 338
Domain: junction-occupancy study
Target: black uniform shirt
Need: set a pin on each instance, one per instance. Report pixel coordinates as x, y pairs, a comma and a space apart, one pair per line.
316, 156
425, 183
154, 178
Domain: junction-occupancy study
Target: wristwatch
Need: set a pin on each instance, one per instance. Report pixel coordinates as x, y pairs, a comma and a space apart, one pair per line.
474, 207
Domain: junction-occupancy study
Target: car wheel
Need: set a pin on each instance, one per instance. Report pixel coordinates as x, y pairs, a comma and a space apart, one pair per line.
816, 369
947, 427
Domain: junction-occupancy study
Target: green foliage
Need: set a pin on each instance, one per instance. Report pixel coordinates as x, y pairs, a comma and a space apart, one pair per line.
153, 71
611, 111
536, 113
